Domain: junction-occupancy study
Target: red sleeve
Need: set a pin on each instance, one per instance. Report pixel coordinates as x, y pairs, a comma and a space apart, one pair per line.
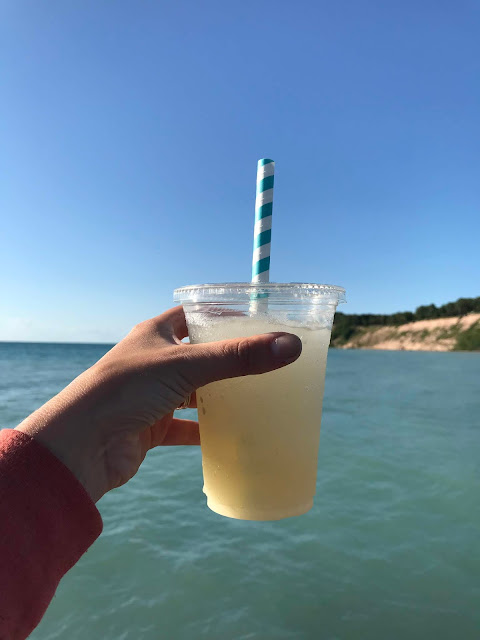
47, 521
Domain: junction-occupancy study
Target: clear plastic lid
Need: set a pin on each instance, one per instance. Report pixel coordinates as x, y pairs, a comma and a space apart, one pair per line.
277, 292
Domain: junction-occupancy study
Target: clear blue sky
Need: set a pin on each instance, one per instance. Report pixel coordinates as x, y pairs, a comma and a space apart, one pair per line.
131, 131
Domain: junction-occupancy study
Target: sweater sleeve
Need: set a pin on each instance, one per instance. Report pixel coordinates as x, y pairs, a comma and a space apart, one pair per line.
47, 522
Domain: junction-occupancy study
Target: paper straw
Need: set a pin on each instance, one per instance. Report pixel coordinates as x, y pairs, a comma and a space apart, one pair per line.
263, 221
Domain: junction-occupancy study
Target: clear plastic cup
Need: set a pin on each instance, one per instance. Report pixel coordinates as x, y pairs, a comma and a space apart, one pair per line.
260, 434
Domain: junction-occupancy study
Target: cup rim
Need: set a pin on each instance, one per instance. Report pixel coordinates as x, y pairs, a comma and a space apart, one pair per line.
276, 291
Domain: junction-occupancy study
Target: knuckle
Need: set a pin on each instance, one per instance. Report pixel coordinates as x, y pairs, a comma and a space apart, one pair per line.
243, 354
178, 363
140, 327
146, 330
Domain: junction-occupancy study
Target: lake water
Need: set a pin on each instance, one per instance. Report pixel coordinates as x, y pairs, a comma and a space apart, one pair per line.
391, 549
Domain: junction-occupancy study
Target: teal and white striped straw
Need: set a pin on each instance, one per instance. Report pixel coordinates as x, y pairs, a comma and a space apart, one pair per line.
263, 221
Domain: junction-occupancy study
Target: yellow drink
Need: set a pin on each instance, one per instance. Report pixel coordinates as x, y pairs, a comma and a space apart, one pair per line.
260, 434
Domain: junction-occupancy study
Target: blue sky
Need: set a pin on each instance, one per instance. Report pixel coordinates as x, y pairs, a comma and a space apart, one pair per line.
131, 131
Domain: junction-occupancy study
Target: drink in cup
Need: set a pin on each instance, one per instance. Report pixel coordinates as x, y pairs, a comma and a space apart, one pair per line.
260, 434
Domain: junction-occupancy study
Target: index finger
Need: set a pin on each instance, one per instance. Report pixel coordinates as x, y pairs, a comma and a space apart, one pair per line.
173, 321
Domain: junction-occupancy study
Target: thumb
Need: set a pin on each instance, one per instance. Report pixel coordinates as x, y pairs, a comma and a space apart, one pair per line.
212, 361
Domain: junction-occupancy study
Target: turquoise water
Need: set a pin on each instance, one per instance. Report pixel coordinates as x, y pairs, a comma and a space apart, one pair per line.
390, 550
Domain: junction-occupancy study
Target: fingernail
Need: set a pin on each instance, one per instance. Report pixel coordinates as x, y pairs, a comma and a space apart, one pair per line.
286, 347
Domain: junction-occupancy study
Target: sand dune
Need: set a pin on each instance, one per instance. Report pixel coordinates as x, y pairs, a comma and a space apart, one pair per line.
425, 335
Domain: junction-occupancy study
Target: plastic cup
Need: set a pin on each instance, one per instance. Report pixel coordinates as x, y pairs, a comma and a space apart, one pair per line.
260, 434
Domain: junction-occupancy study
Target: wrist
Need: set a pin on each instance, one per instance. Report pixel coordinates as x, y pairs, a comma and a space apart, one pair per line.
56, 431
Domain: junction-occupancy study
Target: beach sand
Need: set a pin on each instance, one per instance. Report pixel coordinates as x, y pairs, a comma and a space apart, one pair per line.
439, 334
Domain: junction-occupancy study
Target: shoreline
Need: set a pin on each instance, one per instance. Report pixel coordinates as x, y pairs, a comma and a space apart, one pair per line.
439, 334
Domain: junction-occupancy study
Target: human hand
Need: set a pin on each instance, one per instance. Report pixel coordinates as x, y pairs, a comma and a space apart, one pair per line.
103, 424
